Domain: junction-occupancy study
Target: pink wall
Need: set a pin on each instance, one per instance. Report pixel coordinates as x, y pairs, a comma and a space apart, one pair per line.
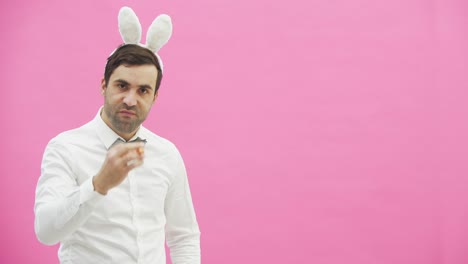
322, 132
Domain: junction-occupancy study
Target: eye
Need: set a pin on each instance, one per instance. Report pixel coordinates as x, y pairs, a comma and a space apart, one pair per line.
121, 85
144, 90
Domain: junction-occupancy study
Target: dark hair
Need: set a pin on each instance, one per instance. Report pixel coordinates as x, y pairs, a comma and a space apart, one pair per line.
132, 54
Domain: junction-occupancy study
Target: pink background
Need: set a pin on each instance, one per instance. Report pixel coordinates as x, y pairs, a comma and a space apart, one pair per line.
313, 131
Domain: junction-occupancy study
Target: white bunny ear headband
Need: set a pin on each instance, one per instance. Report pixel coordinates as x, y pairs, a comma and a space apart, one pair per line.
157, 36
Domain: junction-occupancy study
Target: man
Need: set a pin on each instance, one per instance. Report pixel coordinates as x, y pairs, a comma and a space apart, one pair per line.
107, 201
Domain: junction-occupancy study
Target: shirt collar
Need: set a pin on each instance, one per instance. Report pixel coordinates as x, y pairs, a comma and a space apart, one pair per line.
107, 135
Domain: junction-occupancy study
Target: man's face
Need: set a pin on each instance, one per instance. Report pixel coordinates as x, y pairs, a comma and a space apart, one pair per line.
128, 97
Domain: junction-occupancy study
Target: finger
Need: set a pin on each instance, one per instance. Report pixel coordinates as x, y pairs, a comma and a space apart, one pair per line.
141, 151
132, 157
123, 161
134, 154
133, 164
124, 149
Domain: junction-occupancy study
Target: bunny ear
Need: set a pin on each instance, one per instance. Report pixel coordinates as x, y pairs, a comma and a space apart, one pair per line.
129, 26
159, 33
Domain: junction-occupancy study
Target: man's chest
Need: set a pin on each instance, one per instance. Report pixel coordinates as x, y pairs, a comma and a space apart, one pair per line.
143, 191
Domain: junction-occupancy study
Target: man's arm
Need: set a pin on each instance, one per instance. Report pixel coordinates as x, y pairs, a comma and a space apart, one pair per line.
62, 205
182, 232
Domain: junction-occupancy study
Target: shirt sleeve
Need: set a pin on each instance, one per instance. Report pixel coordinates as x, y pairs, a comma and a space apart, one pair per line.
61, 205
182, 232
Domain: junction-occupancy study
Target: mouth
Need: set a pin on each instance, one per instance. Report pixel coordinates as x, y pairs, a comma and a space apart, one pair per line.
127, 113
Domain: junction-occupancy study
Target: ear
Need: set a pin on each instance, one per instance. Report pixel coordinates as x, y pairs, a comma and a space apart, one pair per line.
129, 26
159, 33
103, 86
155, 96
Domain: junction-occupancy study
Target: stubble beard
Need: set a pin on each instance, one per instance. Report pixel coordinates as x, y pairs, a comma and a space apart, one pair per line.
120, 124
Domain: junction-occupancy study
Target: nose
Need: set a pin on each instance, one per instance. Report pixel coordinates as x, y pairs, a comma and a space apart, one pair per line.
130, 98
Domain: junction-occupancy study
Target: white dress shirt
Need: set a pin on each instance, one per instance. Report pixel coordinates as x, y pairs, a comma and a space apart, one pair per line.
131, 222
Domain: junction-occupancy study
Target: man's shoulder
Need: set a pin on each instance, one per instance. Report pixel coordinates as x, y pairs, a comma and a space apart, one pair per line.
78, 134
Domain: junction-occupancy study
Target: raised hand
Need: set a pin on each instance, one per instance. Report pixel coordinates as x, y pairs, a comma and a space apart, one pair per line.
120, 160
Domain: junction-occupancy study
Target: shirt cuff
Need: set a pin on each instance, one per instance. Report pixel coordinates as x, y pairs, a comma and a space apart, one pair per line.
87, 193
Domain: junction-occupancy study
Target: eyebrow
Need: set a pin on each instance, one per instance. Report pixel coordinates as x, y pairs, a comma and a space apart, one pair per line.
124, 82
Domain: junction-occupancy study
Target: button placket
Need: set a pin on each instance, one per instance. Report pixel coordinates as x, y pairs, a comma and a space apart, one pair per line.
136, 210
